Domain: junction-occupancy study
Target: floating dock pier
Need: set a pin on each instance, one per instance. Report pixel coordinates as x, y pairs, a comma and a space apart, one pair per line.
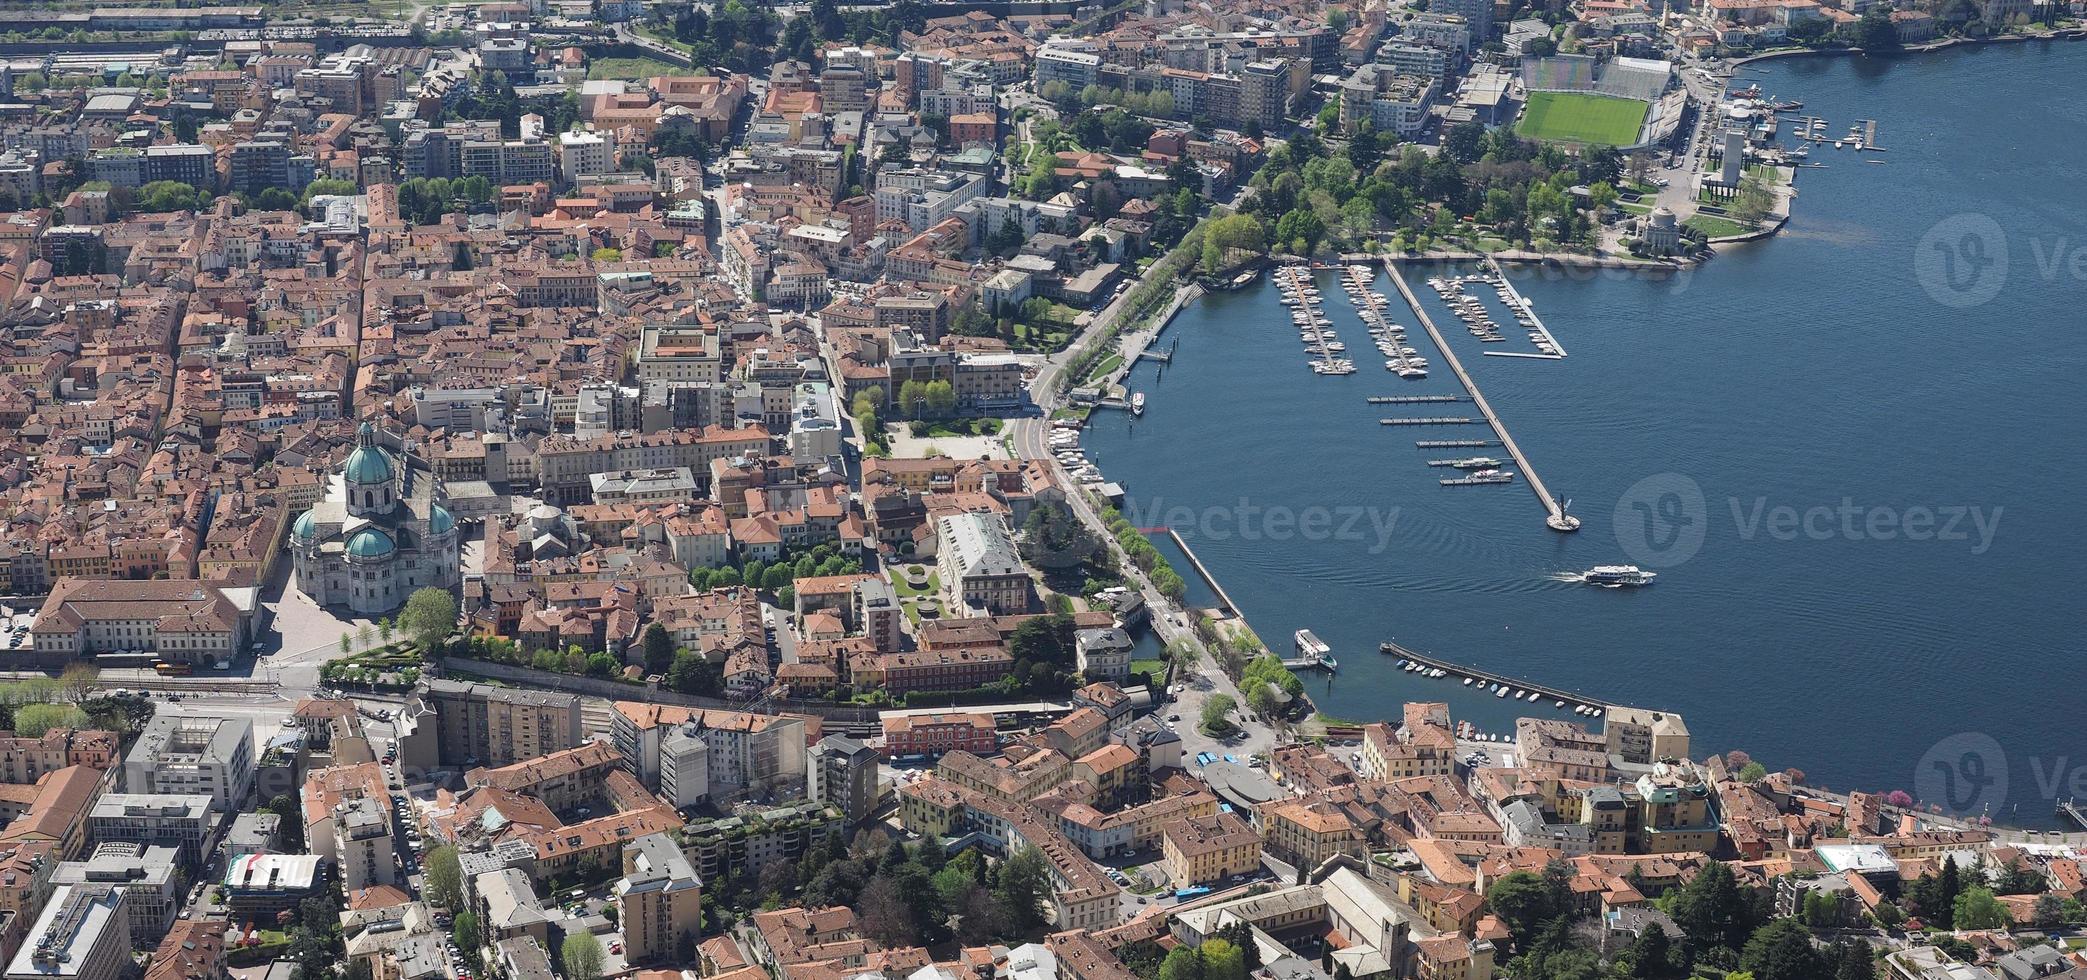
1444, 420
1455, 443
1555, 517
1413, 399
1478, 481
1520, 304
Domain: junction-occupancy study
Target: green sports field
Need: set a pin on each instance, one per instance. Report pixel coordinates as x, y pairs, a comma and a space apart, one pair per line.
1580, 117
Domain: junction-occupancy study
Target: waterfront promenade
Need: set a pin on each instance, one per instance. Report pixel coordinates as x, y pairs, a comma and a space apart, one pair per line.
1555, 518
1030, 439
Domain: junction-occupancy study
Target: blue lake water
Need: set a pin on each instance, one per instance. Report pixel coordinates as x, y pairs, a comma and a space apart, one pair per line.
1890, 525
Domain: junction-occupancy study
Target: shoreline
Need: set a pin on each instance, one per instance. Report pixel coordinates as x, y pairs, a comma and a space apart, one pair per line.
1929, 47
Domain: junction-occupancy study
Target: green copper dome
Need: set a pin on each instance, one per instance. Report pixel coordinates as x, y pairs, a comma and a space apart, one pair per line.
370, 543
368, 463
307, 527
440, 521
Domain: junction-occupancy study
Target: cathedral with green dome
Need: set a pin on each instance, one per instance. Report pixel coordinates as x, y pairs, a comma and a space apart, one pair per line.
381, 533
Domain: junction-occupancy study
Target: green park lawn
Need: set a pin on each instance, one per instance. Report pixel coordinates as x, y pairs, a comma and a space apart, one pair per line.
628, 68
1581, 117
1716, 227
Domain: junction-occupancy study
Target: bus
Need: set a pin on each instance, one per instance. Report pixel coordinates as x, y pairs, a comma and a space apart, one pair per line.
168, 668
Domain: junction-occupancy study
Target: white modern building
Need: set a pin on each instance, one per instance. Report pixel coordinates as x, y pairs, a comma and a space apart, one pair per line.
83, 934
203, 755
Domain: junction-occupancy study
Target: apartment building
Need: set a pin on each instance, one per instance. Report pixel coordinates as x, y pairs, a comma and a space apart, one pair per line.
1642, 736
744, 751
1305, 834
24, 760
1200, 850
494, 726
562, 780
842, 773
1423, 746
149, 877
659, 899
363, 843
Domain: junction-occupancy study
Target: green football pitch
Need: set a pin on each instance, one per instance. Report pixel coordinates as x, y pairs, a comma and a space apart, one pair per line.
1579, 117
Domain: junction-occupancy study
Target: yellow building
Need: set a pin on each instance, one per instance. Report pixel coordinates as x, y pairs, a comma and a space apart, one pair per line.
1306, 834
1422, 746
1667, 811
1674, 811
1199, 850
930, 807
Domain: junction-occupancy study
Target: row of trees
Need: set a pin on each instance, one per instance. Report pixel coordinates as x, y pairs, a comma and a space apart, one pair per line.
1229, 235
868, 409
1141, 552
1115, 129
35, 705
1069, 100
777, 576
926, 400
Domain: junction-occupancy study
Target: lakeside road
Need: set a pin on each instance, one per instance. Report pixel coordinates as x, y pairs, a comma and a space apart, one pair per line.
1170, 622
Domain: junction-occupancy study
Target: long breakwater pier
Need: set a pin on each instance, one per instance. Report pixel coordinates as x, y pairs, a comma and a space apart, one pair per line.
1486, 679
1555, 518
1225, 603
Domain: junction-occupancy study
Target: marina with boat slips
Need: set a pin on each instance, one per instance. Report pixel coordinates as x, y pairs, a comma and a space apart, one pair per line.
1555, 516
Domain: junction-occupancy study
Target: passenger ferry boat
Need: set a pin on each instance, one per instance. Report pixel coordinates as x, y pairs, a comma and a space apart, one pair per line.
1310, 647
1617, 576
